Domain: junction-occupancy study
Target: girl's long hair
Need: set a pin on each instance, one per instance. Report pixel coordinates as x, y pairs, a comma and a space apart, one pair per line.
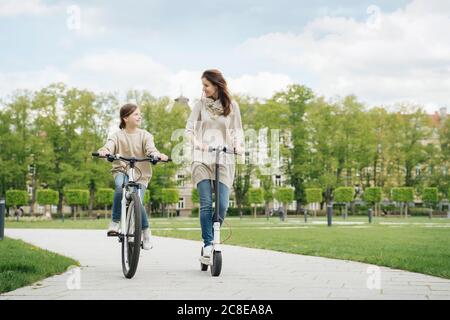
125, 111
216, 78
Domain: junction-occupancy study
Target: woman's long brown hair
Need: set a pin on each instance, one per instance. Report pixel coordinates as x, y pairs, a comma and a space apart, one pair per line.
216, 78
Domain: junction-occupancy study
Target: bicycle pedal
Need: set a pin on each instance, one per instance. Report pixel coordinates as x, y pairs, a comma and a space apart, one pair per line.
112, 234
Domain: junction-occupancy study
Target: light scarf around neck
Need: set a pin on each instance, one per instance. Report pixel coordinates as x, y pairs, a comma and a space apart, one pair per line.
214, 107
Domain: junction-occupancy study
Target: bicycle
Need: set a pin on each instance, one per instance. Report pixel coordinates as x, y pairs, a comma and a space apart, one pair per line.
130, 219
215, 261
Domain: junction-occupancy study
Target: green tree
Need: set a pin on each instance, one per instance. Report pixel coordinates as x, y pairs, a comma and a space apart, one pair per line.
169, 197
373, 195
430, 197
47, 197
403, 195
296, 98
255, 197
321, 163
313, 195
267, 187
344, 195
413, 130
16, 198
104, 197
284, 196
241, 184
76, 198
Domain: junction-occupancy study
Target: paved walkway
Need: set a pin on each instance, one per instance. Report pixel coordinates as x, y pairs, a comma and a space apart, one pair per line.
171, 271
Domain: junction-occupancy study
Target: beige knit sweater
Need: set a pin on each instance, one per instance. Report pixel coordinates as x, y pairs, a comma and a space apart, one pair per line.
139, 145
207, 125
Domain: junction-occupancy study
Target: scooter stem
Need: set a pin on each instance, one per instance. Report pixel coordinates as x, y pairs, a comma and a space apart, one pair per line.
216, 211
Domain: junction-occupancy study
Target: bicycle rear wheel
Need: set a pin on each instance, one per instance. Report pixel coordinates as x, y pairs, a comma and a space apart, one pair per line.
131, 244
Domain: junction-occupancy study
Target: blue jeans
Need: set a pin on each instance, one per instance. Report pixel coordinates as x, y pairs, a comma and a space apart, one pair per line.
205, 191
117, 206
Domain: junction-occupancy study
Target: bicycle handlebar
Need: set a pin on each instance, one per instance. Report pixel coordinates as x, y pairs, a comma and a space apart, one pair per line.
112, 157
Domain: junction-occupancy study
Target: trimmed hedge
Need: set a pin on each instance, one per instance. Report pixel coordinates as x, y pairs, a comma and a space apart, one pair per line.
404, 194
430, 195
47, 197
343, 194
16, 198
104, 196
255, 196
76, 197
313, 195
373, 194
284, 195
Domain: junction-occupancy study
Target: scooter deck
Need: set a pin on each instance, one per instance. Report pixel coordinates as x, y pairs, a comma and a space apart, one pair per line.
207, 261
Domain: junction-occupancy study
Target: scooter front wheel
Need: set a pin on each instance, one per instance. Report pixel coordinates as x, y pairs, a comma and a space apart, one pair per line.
216, 267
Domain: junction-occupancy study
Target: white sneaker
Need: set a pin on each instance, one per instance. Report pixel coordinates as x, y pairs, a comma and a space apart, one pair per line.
207, 251
113, 229
147, 241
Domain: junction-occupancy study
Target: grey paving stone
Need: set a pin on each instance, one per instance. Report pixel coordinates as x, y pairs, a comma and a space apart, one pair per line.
171, 271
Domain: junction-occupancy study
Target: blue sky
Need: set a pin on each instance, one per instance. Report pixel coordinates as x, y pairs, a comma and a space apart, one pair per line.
369, 48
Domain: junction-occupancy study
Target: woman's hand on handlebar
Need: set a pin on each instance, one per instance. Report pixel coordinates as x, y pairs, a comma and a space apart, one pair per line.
103, 153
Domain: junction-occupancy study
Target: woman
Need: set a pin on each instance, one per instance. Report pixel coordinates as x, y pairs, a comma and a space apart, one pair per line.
131, 141
215, 120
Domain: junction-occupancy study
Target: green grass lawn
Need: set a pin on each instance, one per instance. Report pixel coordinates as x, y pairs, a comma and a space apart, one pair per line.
22, 264
414, 244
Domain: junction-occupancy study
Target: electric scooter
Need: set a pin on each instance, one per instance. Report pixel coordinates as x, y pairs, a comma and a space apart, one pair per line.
215, 261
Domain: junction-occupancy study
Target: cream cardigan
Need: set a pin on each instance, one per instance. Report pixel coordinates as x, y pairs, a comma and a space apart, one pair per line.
207, 125
139, 145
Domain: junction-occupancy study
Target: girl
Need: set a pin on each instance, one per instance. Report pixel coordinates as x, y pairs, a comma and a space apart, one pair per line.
215, 120
131, 141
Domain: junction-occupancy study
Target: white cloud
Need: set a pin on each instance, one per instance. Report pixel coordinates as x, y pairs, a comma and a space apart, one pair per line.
25, 7
261, 85
32, 80
120, 71
391, 57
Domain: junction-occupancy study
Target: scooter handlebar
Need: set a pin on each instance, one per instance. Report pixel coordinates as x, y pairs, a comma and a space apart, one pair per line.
224, 149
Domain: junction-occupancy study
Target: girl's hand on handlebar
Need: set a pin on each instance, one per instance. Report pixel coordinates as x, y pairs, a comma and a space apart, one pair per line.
163, 157
103, 153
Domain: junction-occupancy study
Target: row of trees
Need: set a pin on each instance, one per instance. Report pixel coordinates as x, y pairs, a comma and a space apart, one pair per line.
325, 144
330, 144
47, 138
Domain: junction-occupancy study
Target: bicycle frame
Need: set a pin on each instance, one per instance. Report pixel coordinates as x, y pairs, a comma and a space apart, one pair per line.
126, 196
129, 189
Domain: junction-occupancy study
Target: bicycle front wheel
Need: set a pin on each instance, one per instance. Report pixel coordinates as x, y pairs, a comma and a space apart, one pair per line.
131, 244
